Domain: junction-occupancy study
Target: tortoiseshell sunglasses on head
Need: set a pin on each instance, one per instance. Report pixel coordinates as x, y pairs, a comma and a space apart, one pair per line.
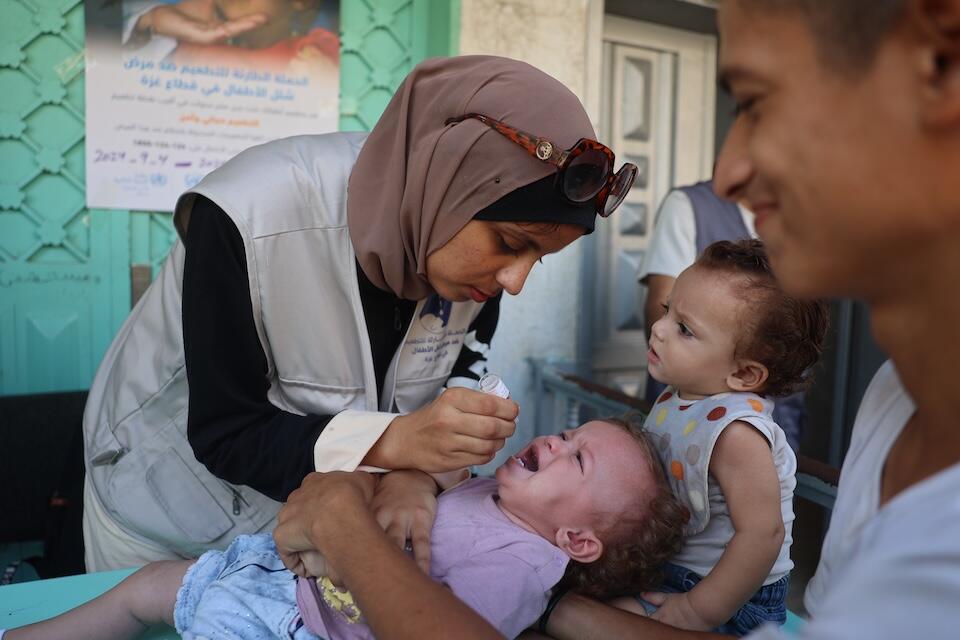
584, 171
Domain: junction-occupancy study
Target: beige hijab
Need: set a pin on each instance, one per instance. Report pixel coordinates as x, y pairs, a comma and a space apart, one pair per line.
417, 181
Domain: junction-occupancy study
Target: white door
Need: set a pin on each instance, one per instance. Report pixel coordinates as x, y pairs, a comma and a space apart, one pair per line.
658, 95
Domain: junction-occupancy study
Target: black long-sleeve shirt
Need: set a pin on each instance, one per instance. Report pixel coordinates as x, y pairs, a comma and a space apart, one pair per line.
235, 431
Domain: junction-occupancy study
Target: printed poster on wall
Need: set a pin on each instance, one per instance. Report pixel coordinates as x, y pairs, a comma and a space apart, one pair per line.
176, 88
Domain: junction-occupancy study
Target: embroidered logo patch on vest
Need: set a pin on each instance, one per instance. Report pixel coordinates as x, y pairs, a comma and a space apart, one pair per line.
435, 314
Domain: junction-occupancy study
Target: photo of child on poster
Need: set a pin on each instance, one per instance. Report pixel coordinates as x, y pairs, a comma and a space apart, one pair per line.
176, 87
274, 35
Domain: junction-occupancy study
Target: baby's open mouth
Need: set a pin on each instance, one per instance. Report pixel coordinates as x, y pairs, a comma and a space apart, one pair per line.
528, 459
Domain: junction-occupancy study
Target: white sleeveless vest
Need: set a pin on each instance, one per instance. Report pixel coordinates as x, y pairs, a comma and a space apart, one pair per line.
288, 201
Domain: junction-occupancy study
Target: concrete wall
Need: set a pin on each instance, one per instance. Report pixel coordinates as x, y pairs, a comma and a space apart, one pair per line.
543, 321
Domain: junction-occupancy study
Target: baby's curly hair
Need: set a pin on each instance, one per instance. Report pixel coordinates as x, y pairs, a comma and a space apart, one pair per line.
638, 543
783, 333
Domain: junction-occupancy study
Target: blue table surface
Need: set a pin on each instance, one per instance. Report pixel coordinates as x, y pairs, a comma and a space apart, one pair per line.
28, 602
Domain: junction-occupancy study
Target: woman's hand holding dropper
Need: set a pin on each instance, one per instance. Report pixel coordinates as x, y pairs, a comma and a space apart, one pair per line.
459, 429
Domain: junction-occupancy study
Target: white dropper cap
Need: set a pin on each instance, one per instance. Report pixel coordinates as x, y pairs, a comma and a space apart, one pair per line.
492, 384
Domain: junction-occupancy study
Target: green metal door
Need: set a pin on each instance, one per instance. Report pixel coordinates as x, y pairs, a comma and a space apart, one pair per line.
62, 289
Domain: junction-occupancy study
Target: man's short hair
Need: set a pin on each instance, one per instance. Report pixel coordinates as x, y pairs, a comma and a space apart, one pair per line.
848, 32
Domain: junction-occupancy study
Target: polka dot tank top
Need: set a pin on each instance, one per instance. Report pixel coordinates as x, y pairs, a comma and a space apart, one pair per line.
685, 432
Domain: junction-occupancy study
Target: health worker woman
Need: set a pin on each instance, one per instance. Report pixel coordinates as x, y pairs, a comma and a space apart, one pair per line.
325, 296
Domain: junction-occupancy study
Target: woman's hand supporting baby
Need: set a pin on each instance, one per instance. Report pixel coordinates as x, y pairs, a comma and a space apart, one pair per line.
459, 429
405, 505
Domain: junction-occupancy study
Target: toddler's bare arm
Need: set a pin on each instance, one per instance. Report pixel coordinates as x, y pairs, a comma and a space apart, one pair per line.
743, 465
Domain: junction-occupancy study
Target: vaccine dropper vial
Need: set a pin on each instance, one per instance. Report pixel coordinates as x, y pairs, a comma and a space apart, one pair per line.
491, 383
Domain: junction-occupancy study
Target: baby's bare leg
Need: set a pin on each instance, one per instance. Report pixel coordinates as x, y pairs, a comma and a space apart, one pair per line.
143, 599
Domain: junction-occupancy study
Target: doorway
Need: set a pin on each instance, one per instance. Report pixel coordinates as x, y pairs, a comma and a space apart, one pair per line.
658, 111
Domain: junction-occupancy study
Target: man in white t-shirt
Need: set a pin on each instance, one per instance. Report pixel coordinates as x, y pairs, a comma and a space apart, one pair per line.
846, 147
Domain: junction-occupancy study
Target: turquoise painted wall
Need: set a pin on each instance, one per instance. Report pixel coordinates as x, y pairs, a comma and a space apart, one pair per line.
65, 270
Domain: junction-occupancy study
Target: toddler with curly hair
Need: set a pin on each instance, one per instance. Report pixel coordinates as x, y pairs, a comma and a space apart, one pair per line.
729, 341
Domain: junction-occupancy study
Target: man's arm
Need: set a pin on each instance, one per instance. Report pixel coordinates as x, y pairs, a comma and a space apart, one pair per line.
579, 618
673, 248
658, 289
329, 513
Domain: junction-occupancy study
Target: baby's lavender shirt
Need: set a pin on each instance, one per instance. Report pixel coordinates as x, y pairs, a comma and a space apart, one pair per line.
501, 570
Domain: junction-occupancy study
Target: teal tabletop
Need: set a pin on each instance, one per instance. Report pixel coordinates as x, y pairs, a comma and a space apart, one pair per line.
28, 602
